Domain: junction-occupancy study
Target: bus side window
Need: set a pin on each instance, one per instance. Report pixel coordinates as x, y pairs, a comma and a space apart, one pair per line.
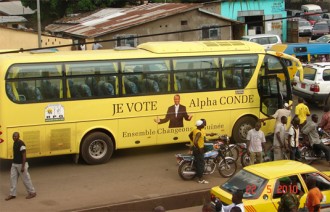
12, 92
29, 92
48, 90
130, 87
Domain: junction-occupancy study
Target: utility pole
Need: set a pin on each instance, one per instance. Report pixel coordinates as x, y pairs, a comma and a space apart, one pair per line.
39, 24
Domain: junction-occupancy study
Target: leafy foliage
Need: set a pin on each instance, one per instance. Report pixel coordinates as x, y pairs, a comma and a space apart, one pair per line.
51, 10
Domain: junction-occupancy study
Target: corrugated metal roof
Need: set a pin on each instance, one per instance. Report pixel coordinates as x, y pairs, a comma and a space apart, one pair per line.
15, 8
12, 19
118, 19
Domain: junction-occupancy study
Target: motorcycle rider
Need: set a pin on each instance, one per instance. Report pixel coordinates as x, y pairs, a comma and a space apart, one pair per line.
198, 150
310, 132
325, 120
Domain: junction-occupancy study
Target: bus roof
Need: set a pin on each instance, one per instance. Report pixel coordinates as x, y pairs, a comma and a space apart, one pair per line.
300, 49
145, 50
200, 46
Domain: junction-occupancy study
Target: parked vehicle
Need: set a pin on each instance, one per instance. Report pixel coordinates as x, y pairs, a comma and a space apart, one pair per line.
266, 40
268, 156
304, 27
305, 52
322, 39
315, 86
320, 28
312, 18
261, 186
326, 15
328, 22
308, 8
214, 159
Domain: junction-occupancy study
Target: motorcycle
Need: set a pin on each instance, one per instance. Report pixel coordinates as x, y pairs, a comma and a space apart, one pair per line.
245, 157
213, 159
307, 153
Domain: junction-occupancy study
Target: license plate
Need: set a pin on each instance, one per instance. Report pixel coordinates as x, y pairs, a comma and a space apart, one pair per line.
303, 85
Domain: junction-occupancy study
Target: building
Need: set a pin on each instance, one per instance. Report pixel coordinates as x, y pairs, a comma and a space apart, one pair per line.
115, 27
13, 14
260, 16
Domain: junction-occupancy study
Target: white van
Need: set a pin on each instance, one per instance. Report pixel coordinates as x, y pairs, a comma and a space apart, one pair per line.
311, 8
266, 40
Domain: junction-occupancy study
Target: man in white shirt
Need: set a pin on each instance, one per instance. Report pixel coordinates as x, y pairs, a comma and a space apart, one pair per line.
279, 139
237, 202
256, 143
286, 111
96, 46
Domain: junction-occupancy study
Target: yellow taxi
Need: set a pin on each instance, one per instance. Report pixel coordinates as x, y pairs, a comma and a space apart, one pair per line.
263, 190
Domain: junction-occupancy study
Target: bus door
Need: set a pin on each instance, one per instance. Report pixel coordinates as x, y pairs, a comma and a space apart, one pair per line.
271, 99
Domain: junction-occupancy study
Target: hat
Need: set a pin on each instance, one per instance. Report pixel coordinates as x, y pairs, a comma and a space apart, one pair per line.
286, 105
285, 180
199, 123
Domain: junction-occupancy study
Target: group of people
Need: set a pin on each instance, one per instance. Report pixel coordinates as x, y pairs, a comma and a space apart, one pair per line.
287, 142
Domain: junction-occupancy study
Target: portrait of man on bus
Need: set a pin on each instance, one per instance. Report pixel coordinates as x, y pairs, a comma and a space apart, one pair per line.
175, 114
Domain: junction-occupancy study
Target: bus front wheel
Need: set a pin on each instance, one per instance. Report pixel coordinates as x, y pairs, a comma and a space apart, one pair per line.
241, 128
96, 148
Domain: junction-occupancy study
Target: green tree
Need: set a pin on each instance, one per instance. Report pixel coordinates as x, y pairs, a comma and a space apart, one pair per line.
51, 10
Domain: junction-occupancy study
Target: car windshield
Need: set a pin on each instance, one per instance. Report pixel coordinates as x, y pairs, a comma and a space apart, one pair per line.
309, 73
320, 27
251, 184
304, 23
323, 39
314, 17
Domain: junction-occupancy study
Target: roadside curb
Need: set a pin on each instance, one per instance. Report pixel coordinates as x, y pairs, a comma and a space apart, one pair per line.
170, 202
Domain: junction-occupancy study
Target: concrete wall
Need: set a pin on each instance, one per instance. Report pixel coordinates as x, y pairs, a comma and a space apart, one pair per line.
195, 19
270, 8
17, 39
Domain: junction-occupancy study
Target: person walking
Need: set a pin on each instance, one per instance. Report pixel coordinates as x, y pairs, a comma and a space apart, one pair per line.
20, 168
198, 151
279, 139
293, 139
256, 143
302, 111
314, 195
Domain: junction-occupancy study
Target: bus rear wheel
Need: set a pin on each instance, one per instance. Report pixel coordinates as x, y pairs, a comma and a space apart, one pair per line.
97, 148
242, 127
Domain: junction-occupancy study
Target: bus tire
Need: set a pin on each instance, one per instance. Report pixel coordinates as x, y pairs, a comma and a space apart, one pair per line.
241, 128
97, 148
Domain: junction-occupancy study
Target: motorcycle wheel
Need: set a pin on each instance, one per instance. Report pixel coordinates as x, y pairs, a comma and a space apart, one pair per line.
305, 153
186, 166
245, 159
227, 167
234, 153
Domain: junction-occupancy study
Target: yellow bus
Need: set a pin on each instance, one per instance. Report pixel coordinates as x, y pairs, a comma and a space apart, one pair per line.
90, 103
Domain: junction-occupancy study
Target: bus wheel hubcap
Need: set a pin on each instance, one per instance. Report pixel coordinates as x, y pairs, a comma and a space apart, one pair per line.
98, 149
